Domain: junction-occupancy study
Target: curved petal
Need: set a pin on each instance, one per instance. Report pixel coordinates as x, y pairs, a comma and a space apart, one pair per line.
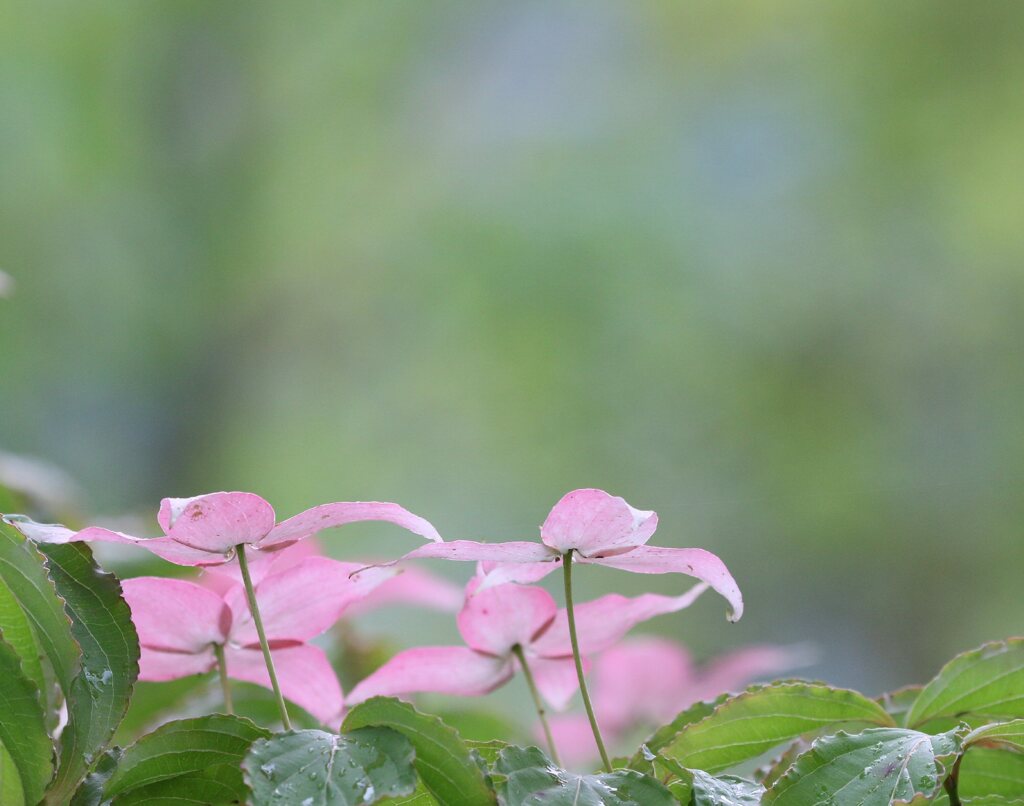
603, 622
176, 615
596, 523
412, 586
217, 522
556, 679
496, 619
304, 673
698, 563
304, 600
439, 669
494, 573
339, 513
156, 666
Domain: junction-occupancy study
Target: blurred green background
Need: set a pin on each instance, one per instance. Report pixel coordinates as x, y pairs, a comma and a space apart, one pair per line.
760, 268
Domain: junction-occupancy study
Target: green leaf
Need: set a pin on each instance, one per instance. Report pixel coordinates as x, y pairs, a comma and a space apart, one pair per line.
218, 785
16, 631
23, 728
770, 773
90, 791
724, 790
102, 626
763, 717
23, 573
525, 777
991, 773
666, 733
188, 748
1006, 735
311, 766
487, 752
875, 768
898, 703
11, 793
986, 682
421, 797
444, 762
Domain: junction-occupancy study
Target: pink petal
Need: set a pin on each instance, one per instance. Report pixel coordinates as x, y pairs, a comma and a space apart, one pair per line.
217, 522
496, 619
472, 551
156, 666
603, 622
304, 600
325, 516
738, 668
261, 563
596, 523
556, 679
574, 739
304, 673
412, 586
176, 615
697, 563
41, 532
492, 573
440, 669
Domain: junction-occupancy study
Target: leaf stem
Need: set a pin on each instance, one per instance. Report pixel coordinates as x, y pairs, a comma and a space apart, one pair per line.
952, 783
538, 703
567, 577
250, 594
222, 672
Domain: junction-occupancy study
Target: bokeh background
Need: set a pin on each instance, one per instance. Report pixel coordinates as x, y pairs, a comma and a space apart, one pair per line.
757, 267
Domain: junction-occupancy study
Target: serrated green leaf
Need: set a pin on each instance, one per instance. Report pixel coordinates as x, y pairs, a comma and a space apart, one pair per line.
444, 762
987, 682
878, 767
311, 766
990, 772
723, 790
524, 776
1008, 735
898, 703
219, 785
488, 751
16, 631
101, 625
763, 717
90, 791
187, 748
23, 727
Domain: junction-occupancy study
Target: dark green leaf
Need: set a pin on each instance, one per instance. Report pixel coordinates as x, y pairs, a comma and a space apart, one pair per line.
218, 785
527, 777
187, 747
23, 727
444, 762
763, 717
986, 682
101, 624
311, 766
874, 768
90, 791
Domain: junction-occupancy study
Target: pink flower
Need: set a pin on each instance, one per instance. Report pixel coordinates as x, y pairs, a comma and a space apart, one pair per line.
495, 621
645, 681
599, 529
179, 624
204, 530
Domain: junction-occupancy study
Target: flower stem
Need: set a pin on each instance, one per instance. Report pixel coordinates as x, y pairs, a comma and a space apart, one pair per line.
537, 702
250, 594
567, 576
222, 672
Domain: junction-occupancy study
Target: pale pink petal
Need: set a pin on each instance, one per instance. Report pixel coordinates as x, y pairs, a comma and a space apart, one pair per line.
41, 532
596, 524
304, 600
574, 739
697, 563
439, 669
738, 668
176, 615
472, 551
604, 621
167, 548
261, 563
519, 573
156, 666
217, 522
641, 680
496, 619
412, 586
339, 513
556, 679
304, 673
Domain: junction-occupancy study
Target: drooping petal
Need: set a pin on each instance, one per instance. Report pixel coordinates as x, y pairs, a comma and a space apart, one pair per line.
596, 523
516, 551
412, 586
439, 669
602, 622
176, 615
341, 512
304, 673
304, 600
217, 522
697, 563
496, 619
156, 666
556, 679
